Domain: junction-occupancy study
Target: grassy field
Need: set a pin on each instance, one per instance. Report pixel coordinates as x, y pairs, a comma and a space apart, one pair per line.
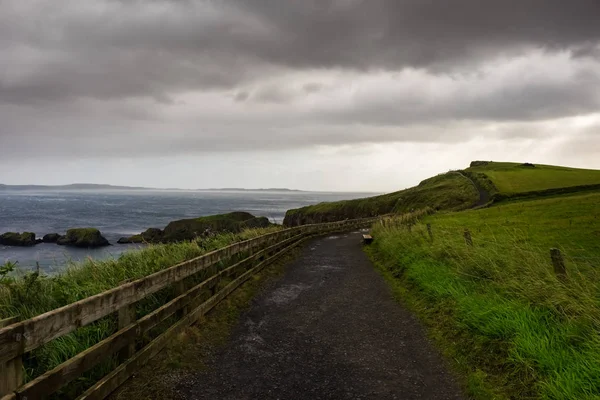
450, 191
511, 178
32, 294
569, 222
509, 325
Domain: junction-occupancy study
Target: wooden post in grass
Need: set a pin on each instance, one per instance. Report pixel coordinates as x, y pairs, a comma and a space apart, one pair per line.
429, 232
468, 239
11, 371
558, 262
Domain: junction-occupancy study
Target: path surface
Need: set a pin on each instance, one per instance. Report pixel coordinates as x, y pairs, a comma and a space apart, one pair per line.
328, 329
484, 195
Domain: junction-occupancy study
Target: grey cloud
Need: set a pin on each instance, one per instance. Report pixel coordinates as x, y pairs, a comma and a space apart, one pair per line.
135, 137
397, 33
111, 49
587, 50
313, 87
102, 77
524, 102
241, 96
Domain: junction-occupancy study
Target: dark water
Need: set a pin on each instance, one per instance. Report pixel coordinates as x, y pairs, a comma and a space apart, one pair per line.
124, 213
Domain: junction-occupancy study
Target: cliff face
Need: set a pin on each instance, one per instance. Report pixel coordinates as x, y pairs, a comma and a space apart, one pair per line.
450, 191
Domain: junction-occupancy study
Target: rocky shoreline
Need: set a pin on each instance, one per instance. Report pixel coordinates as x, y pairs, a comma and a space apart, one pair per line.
76, 237
175, 231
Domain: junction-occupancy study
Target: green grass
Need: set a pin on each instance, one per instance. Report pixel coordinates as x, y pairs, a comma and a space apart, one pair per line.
29, 295
512, 178
449, 191
509, 325
568, 222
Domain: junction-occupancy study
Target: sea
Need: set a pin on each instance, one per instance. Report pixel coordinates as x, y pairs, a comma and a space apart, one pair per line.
118, 213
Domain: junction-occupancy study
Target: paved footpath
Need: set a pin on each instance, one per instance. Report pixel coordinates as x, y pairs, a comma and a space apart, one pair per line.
328, 329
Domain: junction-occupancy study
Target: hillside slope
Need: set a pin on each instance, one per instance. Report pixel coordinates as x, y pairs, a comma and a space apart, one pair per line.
450, 191
482, 182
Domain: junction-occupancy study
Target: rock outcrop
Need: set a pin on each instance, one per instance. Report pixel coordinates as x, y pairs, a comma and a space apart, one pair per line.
51, 238
151, 235
83, 237
190, 229
18, 239
479, 164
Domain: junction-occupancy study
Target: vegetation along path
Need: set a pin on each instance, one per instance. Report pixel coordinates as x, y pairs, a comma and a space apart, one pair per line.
328, 329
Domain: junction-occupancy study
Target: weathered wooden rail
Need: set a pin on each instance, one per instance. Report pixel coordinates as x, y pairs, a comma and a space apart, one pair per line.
19, 338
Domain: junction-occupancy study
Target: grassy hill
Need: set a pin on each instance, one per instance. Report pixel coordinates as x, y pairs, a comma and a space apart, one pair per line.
511, 179
458, 190
511, 326
450, 191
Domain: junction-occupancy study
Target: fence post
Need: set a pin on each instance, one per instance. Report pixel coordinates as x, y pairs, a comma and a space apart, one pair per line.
429, 232
558, 262
180, 289
126, 317
11, 371
468, 239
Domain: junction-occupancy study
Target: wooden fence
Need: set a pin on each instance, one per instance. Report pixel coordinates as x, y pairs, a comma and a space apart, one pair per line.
19, 338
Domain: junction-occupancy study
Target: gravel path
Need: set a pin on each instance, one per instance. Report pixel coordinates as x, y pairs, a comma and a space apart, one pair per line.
328, 329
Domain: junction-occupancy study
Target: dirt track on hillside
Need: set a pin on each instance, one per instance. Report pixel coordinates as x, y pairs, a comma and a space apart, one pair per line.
484, 196
328, 329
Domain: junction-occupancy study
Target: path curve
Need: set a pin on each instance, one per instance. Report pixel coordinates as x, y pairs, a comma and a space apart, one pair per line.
328, 329
484, 195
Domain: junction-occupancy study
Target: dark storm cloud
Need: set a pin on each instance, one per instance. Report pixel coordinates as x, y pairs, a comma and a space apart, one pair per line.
397, 33
104, 78
111, 49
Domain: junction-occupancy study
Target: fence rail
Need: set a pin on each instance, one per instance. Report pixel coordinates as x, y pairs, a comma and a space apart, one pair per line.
19, 338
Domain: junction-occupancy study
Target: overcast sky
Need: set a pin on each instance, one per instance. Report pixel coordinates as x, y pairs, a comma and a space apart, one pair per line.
352, 95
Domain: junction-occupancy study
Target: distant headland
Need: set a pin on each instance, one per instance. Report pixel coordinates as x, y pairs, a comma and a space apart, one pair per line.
93, 186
